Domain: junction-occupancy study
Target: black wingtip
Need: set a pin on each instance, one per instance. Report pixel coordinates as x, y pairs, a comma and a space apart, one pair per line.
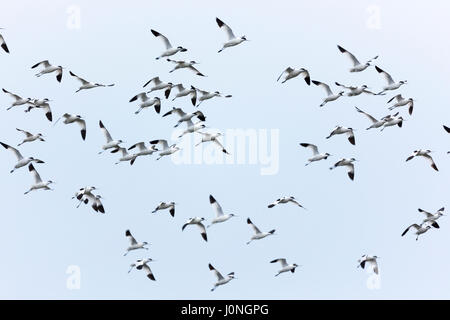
447, 129
151, 277
127, 233
5, 47
308, 80
352, 140
272, 231
249, 221
100, 123
155, 33
205, 237
31, 167
210, 267
219, 22
351, 175
378, 69
315, 82
341, 49
83, 134
211, 199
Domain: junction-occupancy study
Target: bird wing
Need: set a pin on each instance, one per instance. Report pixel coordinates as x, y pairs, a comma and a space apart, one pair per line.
105, 132
397, 97
371, 118
164, 143
130, 237
83, 81
148, 271
14, 150
323, 85
163, 38
37, 177
195, 70
228, 30
350, 55
281, 260
217, 273
351, 170
140, 145
82, 124
255, 228
346, 87
15, 96
216, 206
45, 63
415, 225
433, 164
313, 147
287, 70
428, 214
385, 74
202, 230
447, 129
27, 134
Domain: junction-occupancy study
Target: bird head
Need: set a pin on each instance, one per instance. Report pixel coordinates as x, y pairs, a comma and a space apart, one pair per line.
182, 49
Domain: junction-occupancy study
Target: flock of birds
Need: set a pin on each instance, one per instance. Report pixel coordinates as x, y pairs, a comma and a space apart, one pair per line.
86, 195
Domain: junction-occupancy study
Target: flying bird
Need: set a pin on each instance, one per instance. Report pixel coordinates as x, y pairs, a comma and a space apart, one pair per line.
284, 200
159, 85
402, 102
143, 150
198, 222
18, 100
170, 51
164, 206
126, 156
425, 154
375, 122
69, 118
38, 183
232, 39
147, 102
346, 163
183, 116
285, 267
88, 85
369, 261
142, 264
207, 137
134, 245
166, 149
392, 85
48, 68
356, 91
21, 161
205, 95
357, 66
330, 95
29, 137
292, 73
182, 92
391, 121
316, 155
181, 64
110, 143
41, 104
3, 43
432, 217
420, 229
220, 216
343, 130
258, 234
221, 280
192, 127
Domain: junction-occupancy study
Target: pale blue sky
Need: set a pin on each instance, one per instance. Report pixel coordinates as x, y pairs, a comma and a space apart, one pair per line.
43, 233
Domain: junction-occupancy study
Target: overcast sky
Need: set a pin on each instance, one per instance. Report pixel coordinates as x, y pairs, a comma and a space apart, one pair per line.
43, 233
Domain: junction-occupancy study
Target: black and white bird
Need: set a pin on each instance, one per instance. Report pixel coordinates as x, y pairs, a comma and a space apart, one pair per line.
330, 95
126, 156
232, 39
70, 118
183, 116
357, 66
29, 137
134, 245
375, 122
284, 200
292, 73
41, 104
402, 102
206, 95
356, 91
48, 68
346, 163
164, 206
21, 161
18, 100
192, 127
198, 222
212, 137
221, 280
159, 85
3, 43
38, 183
258, 234
420, 228
220, 216
181, 64
110, 143
142, 264
430, 217
391, 121
343, 130
143, 150
147, 102
166, 149
170, 51
392, 85
182, 92
425, 154
285, 267
370, 262
85, 195
88, 85
316, 155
